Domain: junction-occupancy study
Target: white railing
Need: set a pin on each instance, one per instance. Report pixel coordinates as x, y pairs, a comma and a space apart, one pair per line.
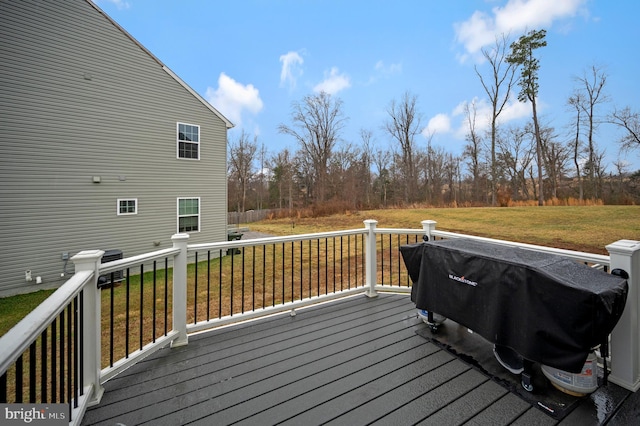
624, 254
285, 306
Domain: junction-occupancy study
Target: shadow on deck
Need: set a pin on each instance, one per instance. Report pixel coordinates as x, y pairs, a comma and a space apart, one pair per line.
354, 361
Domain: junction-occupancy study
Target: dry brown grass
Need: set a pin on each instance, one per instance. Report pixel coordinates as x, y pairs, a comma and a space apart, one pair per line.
583, 228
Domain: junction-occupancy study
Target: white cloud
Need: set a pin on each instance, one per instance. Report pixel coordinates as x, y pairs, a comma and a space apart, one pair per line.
521, 14
440, 123
232, 98
456, 122
476, 32
515, 110
516, 16
483, 116
382, 70
387, 70
333, 82
291, 69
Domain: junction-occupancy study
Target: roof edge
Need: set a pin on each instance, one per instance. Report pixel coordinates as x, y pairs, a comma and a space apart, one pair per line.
228, 123
166, 69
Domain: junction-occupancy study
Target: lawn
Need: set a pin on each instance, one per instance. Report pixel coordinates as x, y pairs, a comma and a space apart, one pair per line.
580, 228
13, 309
587, 229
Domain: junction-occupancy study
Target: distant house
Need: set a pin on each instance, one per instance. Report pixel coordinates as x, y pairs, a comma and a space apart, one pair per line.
102, 146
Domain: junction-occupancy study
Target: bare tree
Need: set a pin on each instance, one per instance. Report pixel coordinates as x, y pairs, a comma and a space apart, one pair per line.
261, 174
367, 139
341, 177
304, 177
317, 122
282, 183
593, 83
522, 56
452, 174
576, 101
498, 87
433, 172
630, 122
403, 125
241, 155
473, 148
600, 170
621, 172
555, 156
382, 160
515, 152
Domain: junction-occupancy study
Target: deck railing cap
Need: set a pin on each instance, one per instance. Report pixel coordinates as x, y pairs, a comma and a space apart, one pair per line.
87, 255
180, 237
623, 246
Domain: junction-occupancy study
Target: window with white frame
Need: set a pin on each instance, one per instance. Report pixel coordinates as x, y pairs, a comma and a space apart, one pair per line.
188, 214
188, 141
127, 206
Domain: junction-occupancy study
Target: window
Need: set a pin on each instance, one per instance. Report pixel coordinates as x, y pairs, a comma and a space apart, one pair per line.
188, 214
188, 141
127, 206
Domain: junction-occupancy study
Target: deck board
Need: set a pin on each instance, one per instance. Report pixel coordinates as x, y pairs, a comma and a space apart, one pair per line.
504, 410
361, 402
353, 361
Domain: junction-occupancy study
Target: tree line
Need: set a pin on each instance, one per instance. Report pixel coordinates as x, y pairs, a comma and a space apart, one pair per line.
506, 164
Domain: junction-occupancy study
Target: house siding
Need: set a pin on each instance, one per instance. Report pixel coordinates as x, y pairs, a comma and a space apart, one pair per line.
79, 98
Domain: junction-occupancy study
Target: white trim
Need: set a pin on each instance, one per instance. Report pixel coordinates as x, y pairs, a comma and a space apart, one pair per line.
178, 213
227, 123
178, 123
119, 213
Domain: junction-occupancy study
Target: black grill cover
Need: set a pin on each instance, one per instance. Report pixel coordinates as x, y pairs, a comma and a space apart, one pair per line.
547, 308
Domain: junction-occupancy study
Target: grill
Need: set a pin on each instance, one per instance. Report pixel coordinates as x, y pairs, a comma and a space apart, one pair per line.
547, 308
118, 276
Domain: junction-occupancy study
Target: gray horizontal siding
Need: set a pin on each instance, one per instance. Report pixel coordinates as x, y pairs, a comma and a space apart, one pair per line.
60, 129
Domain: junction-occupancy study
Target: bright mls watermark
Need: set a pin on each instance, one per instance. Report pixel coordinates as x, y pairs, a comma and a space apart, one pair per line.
34, 414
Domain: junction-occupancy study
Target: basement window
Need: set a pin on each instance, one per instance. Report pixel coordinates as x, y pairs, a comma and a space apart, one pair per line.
127, 206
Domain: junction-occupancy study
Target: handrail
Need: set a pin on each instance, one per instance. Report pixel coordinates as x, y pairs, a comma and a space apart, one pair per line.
116, 265
272, 240
31, 326
571, 254
399, 231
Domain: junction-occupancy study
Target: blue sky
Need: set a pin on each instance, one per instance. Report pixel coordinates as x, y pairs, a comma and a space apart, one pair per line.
252, 58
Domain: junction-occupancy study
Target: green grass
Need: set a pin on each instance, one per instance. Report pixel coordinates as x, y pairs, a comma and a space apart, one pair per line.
13, 309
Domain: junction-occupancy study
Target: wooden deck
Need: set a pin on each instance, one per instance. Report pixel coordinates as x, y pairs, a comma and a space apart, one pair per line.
355, 361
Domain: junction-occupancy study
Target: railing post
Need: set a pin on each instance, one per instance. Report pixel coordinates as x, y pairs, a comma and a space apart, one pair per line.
625, 338
90, 260
370, 258
428, 226
180, 290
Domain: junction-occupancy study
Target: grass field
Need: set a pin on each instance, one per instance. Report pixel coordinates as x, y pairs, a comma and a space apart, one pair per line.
13, 309
587, 229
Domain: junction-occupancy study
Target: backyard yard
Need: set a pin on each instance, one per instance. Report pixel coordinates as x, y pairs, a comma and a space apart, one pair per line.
580, 228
